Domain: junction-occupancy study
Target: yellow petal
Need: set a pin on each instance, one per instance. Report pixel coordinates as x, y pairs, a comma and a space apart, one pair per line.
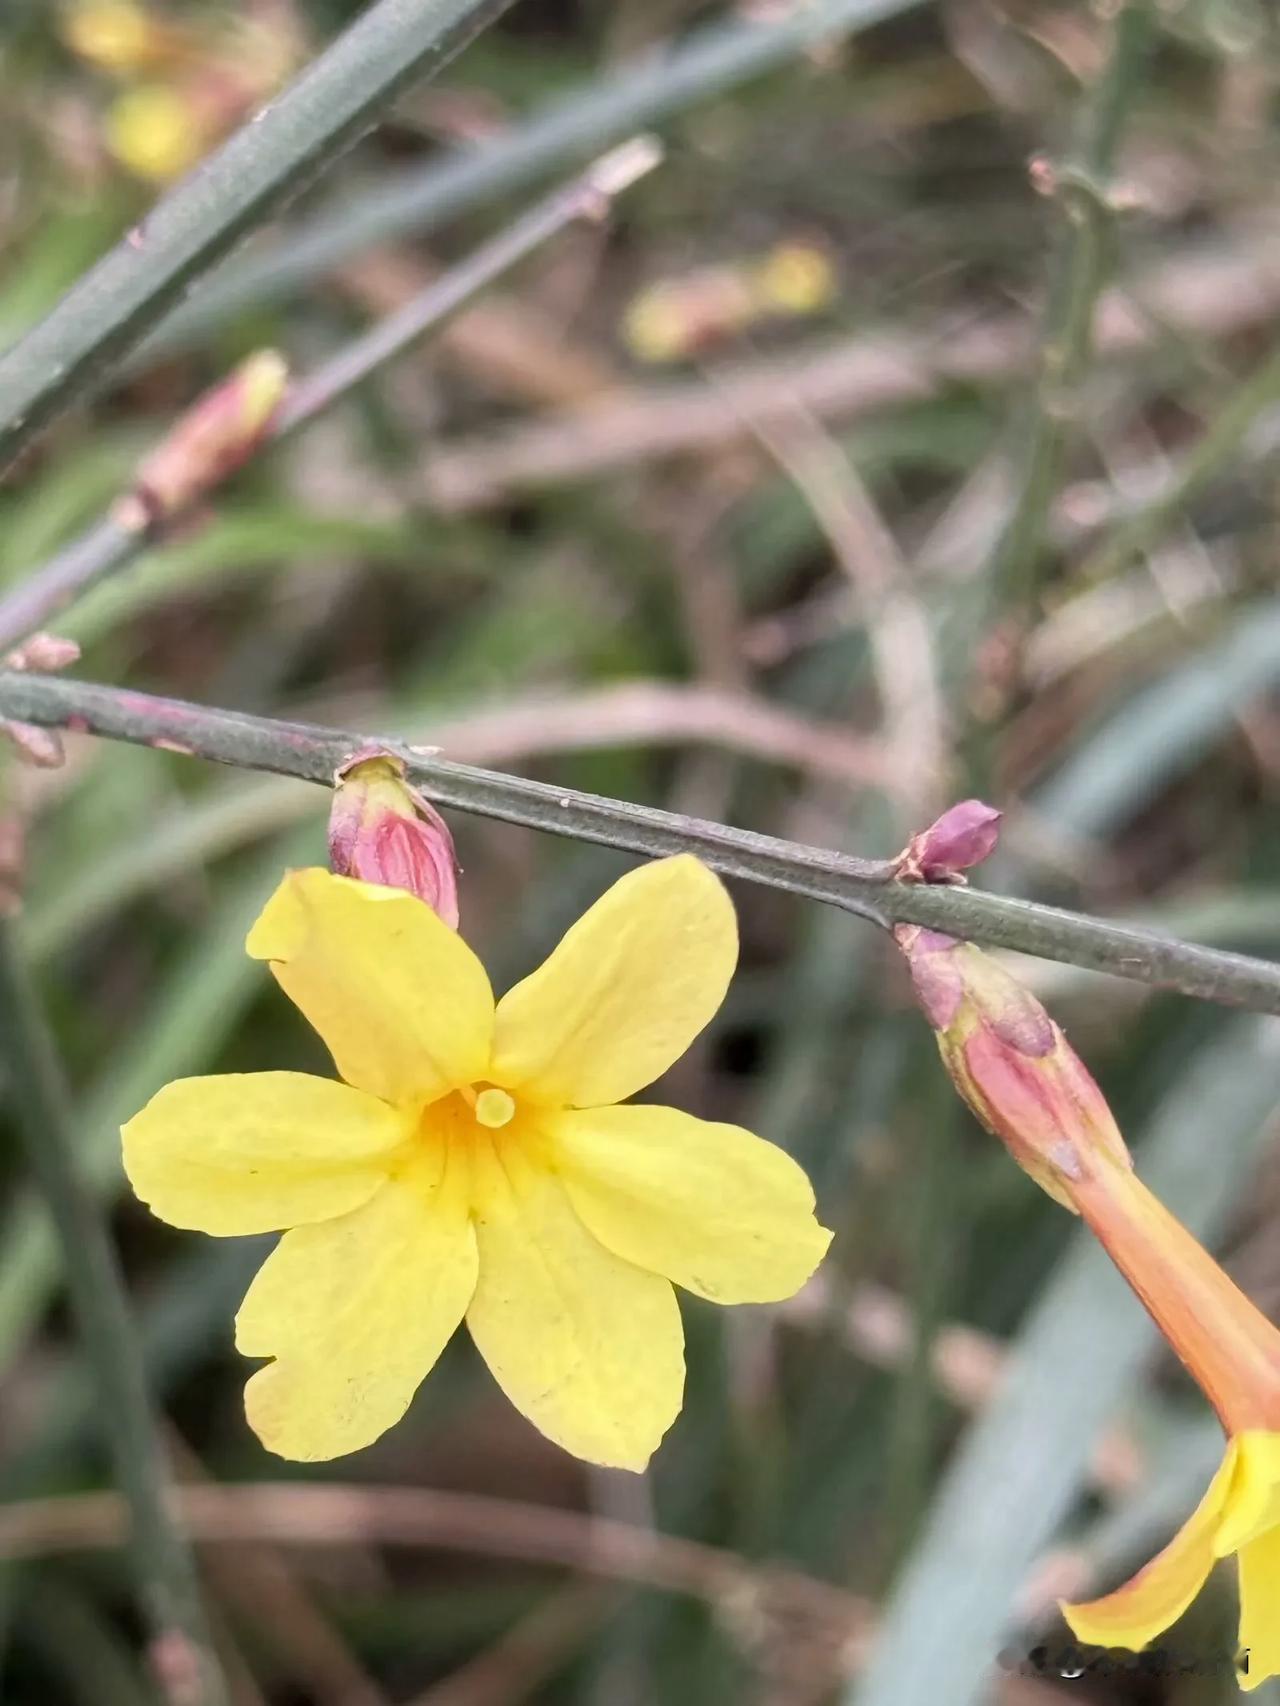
714, 1208
1163, 1589
1260, 1608
357, 1311
585, 1345
625, 992
402, 1002
1253, 1505
258, 1151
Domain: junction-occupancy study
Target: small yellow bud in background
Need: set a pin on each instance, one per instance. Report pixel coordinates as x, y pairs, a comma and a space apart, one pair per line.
1011, 1063
155, 133
680, 317
217, 434
796, 278
383, 831
117, 36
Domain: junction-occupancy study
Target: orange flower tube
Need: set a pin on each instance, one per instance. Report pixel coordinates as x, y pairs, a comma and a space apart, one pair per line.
1014, 1067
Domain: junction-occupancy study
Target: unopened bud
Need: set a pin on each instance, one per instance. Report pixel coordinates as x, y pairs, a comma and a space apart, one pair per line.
383, 831
45, 653
680, 317
215, 436
34, 745
1011, 1063
962, 837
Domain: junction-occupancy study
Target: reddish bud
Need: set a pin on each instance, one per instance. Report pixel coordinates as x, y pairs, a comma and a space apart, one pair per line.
383, 831
1011, 1063
962, 837
41, 747
43, 652
217, 434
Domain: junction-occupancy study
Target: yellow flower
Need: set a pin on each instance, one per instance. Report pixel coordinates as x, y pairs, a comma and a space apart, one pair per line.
1233, 1351
473, 1165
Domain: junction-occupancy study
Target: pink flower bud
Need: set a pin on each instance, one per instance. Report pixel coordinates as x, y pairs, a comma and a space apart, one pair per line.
962, 837
383, 831
1011, 1063
43, 652
218, 433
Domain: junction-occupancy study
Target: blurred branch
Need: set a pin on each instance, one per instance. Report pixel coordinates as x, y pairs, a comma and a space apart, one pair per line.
418, 199
73, 351
1203, 293
862, 886
333, 1514
892, 616
966, 1364
1083, 184
1218, 446
112, 543
523, 1659
181, 1651
261, 1584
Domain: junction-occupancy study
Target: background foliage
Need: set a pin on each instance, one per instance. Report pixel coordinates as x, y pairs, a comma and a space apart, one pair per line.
756, 585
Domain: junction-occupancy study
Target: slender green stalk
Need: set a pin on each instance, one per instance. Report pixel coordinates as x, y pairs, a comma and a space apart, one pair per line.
1198, 468
419, 199
110, 544
588, 196
1083, 187
72, 352
121, 536
862, 886
167, 1581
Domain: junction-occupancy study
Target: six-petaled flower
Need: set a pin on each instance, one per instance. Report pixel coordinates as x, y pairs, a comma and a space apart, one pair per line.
475, 1164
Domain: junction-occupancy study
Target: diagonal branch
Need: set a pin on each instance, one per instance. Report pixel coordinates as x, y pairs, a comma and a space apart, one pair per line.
1084, 187
862, 886
126, 531
73, 350
420, 198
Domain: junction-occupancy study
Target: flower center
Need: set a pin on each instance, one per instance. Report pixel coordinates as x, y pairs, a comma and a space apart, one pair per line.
494, 1108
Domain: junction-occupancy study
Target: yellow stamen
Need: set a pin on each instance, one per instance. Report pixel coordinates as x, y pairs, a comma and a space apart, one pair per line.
494, 1108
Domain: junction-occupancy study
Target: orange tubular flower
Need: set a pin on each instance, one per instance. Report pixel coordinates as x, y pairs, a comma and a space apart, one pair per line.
1233, 1353
1026, 1084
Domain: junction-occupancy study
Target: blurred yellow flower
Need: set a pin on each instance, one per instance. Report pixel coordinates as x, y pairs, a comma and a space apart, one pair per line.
474, 1165
118, 36
155, 132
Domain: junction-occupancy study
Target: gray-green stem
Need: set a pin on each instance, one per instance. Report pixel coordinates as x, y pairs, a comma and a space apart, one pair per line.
168, 1587
1083, 187
865, 887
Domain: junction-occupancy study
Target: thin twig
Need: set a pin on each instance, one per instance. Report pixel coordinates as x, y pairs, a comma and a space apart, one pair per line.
419, 199
1084, 187
334, 1514
896, 624
121, 536
1201, 293
168, 1586
588, 196
73, 351
1206, 459
862, 886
